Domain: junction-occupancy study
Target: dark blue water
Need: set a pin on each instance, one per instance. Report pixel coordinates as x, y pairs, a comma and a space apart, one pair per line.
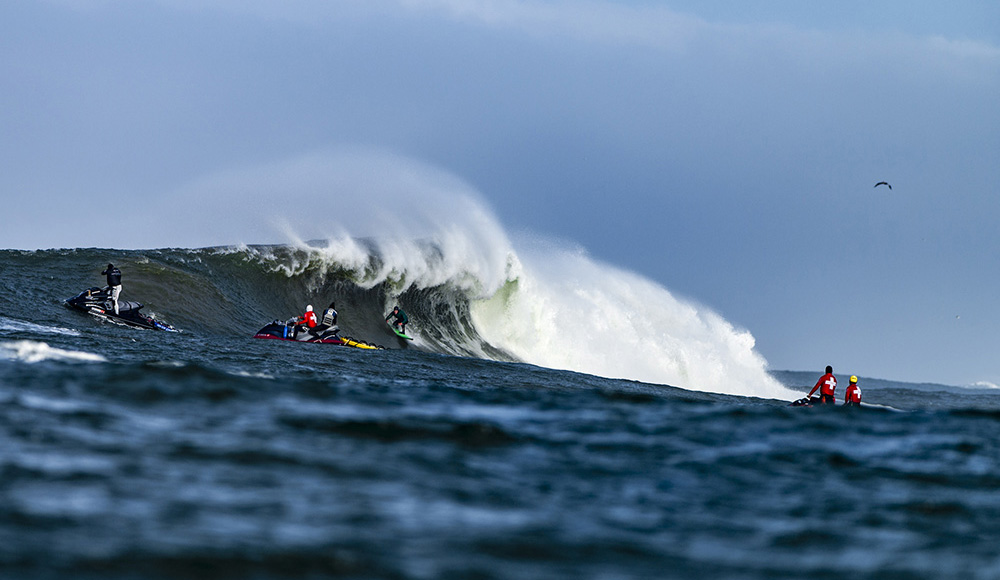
205, 454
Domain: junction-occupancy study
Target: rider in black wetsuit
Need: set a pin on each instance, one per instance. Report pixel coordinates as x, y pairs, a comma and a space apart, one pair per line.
330, 315
114, 283
400, 318
329, 321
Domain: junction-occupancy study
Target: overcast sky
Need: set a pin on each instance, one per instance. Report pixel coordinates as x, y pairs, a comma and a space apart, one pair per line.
725, 149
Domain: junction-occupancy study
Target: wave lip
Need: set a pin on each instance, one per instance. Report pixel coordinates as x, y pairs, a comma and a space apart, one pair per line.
31, 352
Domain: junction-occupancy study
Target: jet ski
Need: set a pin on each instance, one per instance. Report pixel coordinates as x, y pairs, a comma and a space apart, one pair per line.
814, 402
805, 402
290, 330
97, 301
810, 402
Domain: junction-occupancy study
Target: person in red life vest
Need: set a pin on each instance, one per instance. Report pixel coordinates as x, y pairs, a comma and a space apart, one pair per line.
853, 394
826, 384
309, 318
307, 321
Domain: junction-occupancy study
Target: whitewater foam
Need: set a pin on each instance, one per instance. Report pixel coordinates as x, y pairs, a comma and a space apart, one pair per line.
14, 325
567, 311
34, 352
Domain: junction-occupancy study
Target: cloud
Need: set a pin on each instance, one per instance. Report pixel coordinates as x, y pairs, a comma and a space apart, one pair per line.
657, 27
308, 13
582, 20
587, 21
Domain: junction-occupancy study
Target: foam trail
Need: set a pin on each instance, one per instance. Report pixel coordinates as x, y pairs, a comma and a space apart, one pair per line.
10, 324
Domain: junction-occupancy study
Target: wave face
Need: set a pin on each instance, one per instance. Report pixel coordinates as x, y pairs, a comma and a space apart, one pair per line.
545, 306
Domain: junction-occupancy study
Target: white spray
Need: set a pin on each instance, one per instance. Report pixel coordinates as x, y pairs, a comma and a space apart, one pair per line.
568, 311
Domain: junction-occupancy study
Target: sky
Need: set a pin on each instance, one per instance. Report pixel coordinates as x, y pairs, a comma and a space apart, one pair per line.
726, 150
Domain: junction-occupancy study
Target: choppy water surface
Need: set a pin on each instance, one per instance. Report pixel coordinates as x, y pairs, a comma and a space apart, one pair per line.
178, 456
206, 453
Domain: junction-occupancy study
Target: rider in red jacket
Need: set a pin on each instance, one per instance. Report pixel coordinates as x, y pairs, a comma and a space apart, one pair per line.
309, 318
307, 321
853, 394
826, 384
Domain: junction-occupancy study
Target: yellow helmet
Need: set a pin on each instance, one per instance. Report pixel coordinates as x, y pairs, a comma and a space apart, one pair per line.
854, 379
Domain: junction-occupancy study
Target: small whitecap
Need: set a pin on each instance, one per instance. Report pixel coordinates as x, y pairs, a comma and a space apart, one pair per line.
11, 324
33, 352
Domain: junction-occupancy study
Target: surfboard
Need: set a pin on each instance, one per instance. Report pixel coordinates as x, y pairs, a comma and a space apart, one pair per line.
348, 341
397, 332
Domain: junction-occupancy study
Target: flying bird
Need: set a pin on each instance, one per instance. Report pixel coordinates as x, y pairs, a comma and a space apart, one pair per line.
885, 183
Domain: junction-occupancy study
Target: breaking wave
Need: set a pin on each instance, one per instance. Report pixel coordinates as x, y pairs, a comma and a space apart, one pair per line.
425, 240
544, 305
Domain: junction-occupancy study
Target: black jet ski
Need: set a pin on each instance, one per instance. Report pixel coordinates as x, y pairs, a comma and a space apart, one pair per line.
805, 402
97, 301
290, 330
810, 402
814, 402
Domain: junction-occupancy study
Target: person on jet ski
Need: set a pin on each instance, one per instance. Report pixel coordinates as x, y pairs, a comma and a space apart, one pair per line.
114, 283
307, 320
330, 315
400, 319
826, 384
328, 322
852, 396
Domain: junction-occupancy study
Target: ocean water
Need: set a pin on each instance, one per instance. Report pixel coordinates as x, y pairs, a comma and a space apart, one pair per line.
490, 447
